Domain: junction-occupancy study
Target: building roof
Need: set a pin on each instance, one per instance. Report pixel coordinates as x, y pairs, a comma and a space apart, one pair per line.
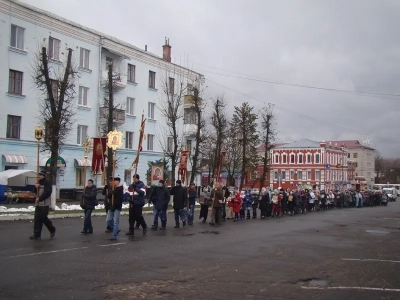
95, 32
349, 144
262, 146
305, 143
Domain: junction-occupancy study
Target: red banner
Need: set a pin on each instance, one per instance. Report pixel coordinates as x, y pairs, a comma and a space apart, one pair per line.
98, 158
183, 165
221, 161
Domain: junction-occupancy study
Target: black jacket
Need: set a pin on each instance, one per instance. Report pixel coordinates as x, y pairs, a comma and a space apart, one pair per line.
105, 190
90, 197
192, 196
139, 193
118, 193
160, 198
180, 197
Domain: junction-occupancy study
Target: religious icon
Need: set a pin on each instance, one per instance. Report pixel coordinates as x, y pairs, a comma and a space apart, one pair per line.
114, 139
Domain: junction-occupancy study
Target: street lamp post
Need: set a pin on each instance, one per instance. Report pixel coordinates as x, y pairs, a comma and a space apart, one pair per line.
164, 151
38, 137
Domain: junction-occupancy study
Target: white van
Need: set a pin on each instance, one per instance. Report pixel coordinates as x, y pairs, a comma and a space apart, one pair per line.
391, 192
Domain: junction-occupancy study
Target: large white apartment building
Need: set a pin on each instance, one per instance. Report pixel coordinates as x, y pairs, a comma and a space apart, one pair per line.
24, 29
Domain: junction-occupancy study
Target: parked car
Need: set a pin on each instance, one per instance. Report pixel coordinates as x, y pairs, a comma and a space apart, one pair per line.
391, 192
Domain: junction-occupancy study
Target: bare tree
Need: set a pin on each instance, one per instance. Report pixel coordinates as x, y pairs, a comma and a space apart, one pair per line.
219, 126
173, 90
269, 135
199, 137
57, 110
244, 126
110, 112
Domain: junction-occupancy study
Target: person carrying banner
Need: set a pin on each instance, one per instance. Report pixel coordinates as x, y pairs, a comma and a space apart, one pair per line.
137, 202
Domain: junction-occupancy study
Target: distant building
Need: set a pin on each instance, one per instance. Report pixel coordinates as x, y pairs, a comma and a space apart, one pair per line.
362, 160
303, 163
24, 29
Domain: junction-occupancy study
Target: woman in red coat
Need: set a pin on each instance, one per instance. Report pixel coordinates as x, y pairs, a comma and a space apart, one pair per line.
236, 203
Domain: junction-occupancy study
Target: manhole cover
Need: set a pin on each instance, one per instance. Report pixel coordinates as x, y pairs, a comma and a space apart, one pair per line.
377, 231
210, 232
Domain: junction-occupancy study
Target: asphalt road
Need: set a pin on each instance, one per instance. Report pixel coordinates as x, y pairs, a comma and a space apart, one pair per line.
339, 254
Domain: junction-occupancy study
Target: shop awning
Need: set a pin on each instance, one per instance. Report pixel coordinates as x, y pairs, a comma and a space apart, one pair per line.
82, 162
15, 159
46, 161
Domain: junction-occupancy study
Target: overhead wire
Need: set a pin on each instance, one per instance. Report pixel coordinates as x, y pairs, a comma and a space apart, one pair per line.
306, 117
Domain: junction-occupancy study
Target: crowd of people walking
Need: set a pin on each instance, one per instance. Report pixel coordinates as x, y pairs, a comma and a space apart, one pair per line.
217, 204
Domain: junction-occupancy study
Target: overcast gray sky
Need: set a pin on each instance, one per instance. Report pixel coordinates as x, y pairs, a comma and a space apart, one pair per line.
335, 44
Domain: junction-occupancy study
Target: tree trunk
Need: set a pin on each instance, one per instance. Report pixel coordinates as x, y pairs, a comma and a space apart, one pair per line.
110, 154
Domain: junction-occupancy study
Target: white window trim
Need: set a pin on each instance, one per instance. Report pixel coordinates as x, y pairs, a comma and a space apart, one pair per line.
298, 158
148, 110
83, 89
284, 163
315, 158
126, 109
294, 155
308, 170
315, 174
86, 133
308, 153
83, 60
16, 39
148, 140
276, 155
51, 55
132, 134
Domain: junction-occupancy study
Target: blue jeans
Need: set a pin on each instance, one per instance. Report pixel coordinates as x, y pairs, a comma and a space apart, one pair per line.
162, 214
359, 202
191, 216
113, 221
87, 224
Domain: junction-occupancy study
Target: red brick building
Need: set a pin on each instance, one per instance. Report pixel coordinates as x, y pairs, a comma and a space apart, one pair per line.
303, 162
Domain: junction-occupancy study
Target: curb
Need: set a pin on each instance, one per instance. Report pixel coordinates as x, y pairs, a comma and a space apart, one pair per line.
74, 215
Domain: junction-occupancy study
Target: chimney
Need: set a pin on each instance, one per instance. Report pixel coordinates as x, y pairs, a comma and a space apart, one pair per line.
145, 48
167, 51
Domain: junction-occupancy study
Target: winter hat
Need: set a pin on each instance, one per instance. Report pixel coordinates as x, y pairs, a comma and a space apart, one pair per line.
179, 182
43, 173
161, 181
117, 179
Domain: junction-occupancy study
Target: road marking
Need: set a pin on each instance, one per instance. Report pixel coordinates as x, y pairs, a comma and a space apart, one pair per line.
380, 260
349, 288
47, 252
109, 245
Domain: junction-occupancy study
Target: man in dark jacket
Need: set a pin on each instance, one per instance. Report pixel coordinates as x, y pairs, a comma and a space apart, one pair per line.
43, 200
180, 202
105, 190
160, 199
89, 203
217, 196
115, 198
192, 201
136, 205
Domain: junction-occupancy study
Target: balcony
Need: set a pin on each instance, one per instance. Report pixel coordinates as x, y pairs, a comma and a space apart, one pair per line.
189, 129
118, 115
119, 80
188, 101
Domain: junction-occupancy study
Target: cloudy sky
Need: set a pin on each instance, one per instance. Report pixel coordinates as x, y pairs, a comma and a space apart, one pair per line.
241, 46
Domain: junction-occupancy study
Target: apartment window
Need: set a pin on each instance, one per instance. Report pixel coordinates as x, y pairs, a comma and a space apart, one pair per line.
150, 142
308, 175
299, 175
83, 96
190, 116
54, 88
130, 106
81, 134
79, 179
131, 73
54, 48
317, 175
283, 175
189, 89
13, 127
151, 110
291, 175
15, 82
276, 158
171, 85
355, 164
355, 155
348, 155
284, 159
189, 145
170, 143
84, 59
300, 158
276, 175
292, 161
129, 140
152, 79
317, 158
17, 37
309, 158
